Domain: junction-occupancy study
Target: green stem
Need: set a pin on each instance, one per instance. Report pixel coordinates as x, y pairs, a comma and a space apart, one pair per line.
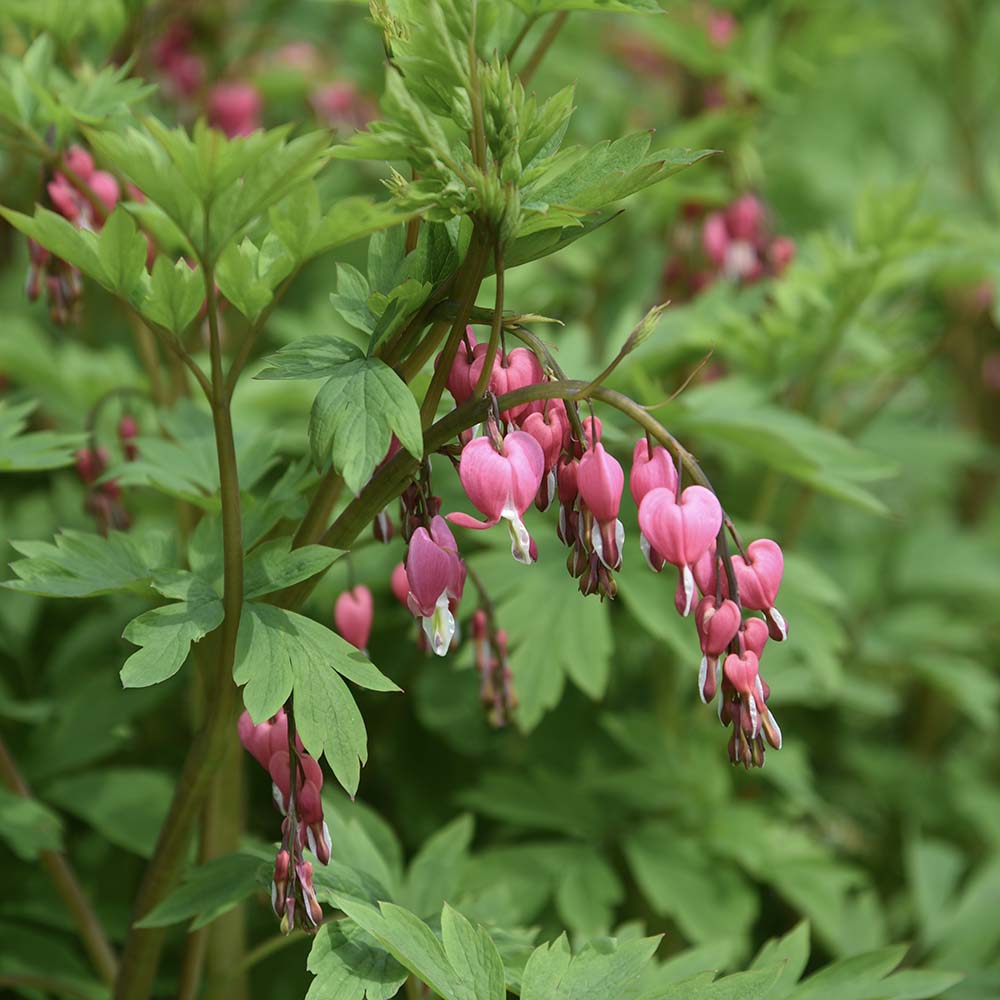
414, 364
544, 43
209, 749
102, 956
318, 515
468, 287
529, 23
483, 382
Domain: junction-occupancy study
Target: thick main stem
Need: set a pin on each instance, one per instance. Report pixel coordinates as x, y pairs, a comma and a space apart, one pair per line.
63, 877
208, 751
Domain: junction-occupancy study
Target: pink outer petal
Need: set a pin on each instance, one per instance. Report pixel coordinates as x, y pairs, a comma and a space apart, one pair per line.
486, 477
527, 464
755, 635
428, 569
680, 532
650, 473
399, 583
601, 481
742, 671
468, 521
759, 580
352, 615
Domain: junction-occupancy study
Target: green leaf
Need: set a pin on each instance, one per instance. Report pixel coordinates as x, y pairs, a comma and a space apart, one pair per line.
208, 891
355, 415
175, 295
20, 452
756, 985
314, 357
122, 251
351, 298
604, 968
27, 826
540, 666
60, 237
125, 805
410, 941
791, 952
589, 889
276, 565
436, 871
474, 958
706, 897
77, 564
854, 978
349, 964
539, 7
165, 635
237, 273
278, 651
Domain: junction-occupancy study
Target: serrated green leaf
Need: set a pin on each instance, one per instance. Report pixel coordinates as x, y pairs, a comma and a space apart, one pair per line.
278, 651
125, 805
21, 452
351, 298
77, 564
475, 961
209, 890
176, 294
436, 870
237, 273
539, 7
28, 826
349, 964
314, 357
165, 635
276, 565
355, 415
122, 251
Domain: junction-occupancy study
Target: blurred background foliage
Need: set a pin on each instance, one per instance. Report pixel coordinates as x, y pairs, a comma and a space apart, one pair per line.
847, 408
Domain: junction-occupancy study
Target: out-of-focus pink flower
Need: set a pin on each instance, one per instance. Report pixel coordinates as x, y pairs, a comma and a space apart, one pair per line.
352, 615
720, 26
234, 107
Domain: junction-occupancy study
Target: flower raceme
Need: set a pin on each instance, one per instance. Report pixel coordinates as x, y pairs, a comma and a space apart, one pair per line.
501, 476
303, 825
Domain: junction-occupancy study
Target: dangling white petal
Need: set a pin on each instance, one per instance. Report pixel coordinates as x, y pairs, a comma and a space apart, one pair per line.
520, 540
760, 693
551, 487
620, 541
773, 729
688, 589
274, 898
597, 542
702, 677
326, 840
279, 799
754, 716
440, 627
776, 616
311, 839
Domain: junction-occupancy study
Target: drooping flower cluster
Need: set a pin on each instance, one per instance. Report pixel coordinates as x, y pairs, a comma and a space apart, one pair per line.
104, 498
85, 196
730, 244
292, 892
528, 453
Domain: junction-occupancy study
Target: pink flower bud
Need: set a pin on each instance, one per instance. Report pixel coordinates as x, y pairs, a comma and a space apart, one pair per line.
715, 238
460, 382
681, 531
128, 431
501, 485
106, 188
720, 28
745, 218
80, 162
352, 615
234, 108
758, 579
91, 463
400, 584
755, 635
601, 481
279, 884
550, 428
781, 253
66, 200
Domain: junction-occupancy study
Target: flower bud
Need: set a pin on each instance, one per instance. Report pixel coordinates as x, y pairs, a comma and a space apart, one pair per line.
352, 615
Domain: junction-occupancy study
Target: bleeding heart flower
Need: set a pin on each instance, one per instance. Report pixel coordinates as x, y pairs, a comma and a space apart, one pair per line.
745, 218
106, 188
460, 382
436, 577
758, 578
681, 531
352, 615
601, 481
550, 428
715, 238
652, 468
501, 485
234, 108
717, 627
400, 584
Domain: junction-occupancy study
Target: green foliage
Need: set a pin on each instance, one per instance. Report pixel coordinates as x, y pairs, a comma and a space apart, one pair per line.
21, 452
